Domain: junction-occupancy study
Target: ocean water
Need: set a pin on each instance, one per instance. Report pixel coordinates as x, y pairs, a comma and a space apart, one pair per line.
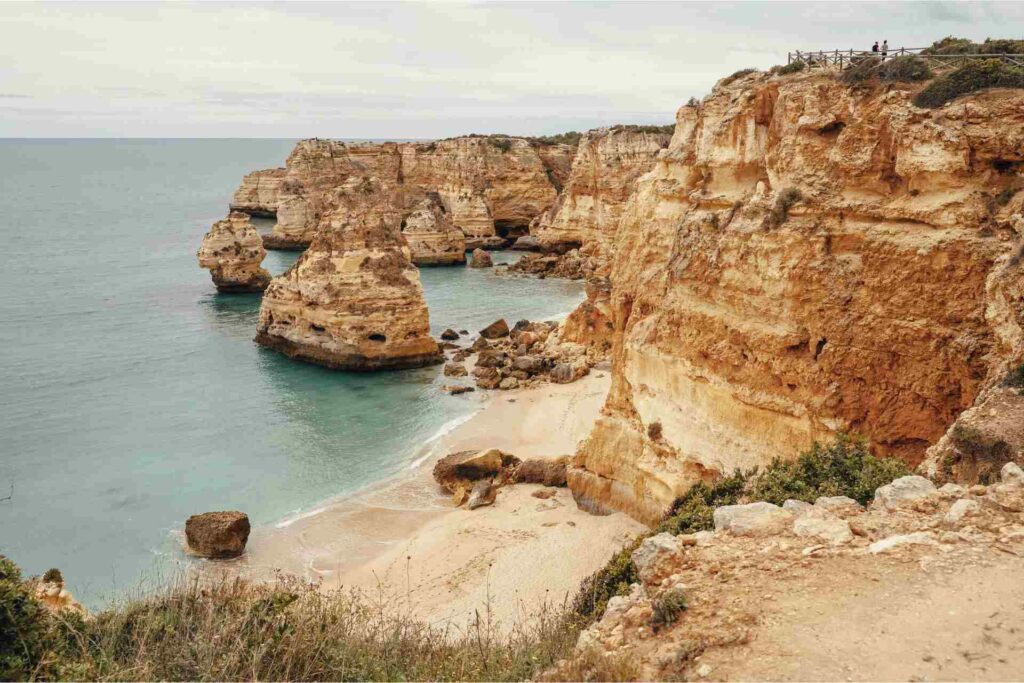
131, 393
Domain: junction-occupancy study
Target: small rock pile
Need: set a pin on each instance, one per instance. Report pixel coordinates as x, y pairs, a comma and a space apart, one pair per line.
570, 265
944, 529
474, 477
525, 355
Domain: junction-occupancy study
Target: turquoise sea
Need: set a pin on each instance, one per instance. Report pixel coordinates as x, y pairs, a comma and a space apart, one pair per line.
131, 393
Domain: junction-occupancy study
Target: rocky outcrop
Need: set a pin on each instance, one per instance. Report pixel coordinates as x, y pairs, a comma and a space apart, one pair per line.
233, 251
218, 535
604, 171
727, 585
433, 238
259, 193
806, 258
353, 300
481, 259
491, 187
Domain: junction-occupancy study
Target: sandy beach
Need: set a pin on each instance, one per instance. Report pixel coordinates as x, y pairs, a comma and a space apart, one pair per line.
404, 541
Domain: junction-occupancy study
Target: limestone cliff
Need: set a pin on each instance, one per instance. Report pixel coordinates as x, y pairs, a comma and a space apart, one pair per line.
353, 301
433, 238
233, 251
491, 187
604, 171
805, 258
259, 192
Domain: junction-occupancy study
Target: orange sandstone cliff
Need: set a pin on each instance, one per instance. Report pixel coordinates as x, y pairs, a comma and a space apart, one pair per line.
353, 300
806, 258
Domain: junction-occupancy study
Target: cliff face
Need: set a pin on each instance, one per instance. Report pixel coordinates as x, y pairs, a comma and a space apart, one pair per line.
259, 193
491, 187
432, 237
353, 301
604, 171
802, 259
233, 251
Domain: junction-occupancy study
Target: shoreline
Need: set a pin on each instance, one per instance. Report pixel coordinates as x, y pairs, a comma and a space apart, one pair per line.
403, 541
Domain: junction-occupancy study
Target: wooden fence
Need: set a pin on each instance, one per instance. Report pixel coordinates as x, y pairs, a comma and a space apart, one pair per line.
842, 59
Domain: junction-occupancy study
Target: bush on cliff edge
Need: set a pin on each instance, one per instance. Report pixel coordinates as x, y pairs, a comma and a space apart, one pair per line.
973, 76
843, 468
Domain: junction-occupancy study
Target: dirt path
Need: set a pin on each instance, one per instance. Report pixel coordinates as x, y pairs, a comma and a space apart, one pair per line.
875, 621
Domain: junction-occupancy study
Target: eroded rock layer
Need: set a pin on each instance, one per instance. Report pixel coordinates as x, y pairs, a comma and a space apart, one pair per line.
604, 171
259, 192
433, 238
805, 258
491, 187
353, 300
233, 251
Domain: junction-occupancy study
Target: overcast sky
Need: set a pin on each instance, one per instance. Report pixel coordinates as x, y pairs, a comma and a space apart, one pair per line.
396, 70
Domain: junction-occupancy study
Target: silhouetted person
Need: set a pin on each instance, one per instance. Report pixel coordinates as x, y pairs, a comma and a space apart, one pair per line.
885, 49
874, 48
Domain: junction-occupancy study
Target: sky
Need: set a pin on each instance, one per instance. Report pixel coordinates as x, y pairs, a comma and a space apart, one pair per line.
415, 70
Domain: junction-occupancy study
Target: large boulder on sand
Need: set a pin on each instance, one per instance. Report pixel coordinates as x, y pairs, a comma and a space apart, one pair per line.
458, 471
217, 534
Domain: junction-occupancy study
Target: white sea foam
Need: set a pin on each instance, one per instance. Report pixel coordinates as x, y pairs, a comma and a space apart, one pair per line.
448, 427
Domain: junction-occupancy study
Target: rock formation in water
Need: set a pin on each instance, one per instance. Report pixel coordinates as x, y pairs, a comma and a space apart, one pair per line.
491, 187
233, 251
604, 171
433, 238
259, 192
806, 258
353, 300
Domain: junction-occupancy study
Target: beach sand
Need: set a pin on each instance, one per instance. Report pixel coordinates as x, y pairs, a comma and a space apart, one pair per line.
405, 542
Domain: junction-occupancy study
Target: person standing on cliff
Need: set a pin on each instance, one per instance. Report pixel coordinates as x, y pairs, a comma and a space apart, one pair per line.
885, 49
874, 48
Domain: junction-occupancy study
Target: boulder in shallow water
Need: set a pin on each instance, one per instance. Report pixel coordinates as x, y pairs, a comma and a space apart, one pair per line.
218, 534
480, 259
496, 330
449, 335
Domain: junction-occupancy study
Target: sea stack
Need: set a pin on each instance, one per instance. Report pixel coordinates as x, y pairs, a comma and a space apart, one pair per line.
433, 238
233, 251
353, 301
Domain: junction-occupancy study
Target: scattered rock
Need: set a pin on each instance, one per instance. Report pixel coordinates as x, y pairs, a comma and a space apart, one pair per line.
496, 330
961, 509
903, 491
753, 519
508, 383
218, 535
842, 506
824, 526
916, 538
456, 389
1012, 474
455, 370
484, 493
461, 469
543, 494
952, 490
527, 243
479, 344
480, 259
654, 552
797, 507
449, 335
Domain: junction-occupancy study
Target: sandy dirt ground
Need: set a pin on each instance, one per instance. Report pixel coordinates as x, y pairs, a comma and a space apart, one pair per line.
405, 542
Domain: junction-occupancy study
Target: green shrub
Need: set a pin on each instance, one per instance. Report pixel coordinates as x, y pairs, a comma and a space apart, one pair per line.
737, 75
843, 468
962, 46
907, 69
694, 510
793, 67
973, 76
861, 70
667, 609
570, 138
504, 144
1016, 377
28, 635
604, 584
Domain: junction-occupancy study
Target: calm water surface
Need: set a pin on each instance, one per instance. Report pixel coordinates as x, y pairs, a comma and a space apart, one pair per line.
132, 393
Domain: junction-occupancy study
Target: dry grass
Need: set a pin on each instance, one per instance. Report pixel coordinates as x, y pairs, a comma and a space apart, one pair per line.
291, 630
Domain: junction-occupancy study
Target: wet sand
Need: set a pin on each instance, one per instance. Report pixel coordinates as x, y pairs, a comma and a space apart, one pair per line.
405, 542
